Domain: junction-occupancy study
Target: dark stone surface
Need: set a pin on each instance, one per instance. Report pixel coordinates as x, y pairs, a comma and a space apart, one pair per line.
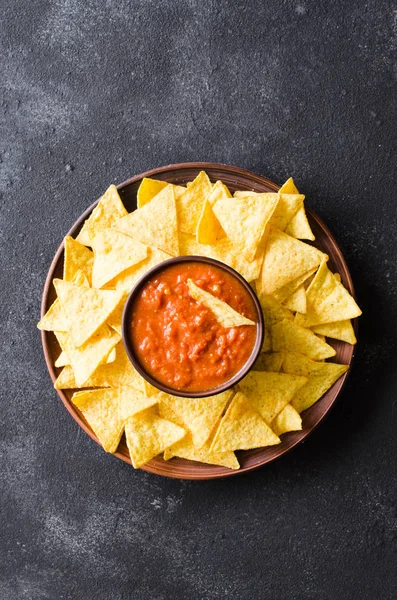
94, 91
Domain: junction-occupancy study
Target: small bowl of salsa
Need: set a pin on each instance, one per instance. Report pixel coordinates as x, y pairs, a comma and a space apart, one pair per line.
180, 345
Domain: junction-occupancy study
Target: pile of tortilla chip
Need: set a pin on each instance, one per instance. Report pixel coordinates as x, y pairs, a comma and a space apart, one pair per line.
258, 234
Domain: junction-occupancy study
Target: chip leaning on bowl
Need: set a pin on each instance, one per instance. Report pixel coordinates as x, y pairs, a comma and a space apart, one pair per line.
261, 236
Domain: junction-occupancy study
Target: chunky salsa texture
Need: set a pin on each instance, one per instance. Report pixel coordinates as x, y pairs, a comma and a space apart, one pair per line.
178, 341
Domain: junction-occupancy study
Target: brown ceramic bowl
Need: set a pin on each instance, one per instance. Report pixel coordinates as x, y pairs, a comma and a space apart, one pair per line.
129, 346
236, 179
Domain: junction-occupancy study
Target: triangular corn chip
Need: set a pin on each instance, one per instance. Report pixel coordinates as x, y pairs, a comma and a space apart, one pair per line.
131, 402
147, 435
85, 359
100, 409
271, 361
116, 318
321, 376
244, 221
297, 300
273, 312
126, 280
327, 301
287, 335
338, 330
118, 373
299, 227
219, 190
285, 205
286, 259
198, 415
269, 392
149, 188
77, 258
288, 420
114, 253
86, 309
109, 209
55, 319
190, 204
288, 187
242, 428
155, 224
186, 449
63, 360
285, 292
224, 314
209, 230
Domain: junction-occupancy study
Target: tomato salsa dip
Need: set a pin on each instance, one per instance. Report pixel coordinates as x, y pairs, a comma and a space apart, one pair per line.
178, 341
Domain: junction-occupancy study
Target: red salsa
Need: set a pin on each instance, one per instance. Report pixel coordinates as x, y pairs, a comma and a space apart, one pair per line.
178, 341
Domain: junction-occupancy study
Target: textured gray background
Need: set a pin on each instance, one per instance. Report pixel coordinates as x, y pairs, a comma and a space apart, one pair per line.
94, 91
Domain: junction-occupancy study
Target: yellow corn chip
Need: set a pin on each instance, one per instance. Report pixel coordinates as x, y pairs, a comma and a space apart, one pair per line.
116, 318
86, 309
286, 259
100, 409
297, 300
244, 221
271, 361
338, 277
126, 280
118, 373
242, 428
108, 210
149, 188
190, 204
269, 392
132, 402
273, 312
209, 230
114, 253
285, 292
186, 449
327, 301
224, 314
288, 420
55, 318
285, 205
147, 435
287, 335
288, 187
338, 330
219, 190
321, 376
197, 415
77, 258
85, 359
298, 226
148, 389
62, 360
155, 224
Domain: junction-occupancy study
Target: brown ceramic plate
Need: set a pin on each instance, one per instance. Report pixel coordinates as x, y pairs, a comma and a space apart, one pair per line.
236, 179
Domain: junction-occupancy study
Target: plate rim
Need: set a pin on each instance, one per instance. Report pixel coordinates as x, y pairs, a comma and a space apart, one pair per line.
223, 472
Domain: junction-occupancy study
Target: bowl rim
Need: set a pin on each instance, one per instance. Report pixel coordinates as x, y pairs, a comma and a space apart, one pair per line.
129, 346
294, 440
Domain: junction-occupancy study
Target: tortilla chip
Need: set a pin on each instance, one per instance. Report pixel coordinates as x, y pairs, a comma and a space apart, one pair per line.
86, 309
224, 314
287, 335
77, 258
148, 435
286, 205
225, 252
149, 188
108, 210
155, 224
288, 187
297, 300
269, 392
100, 409
219, 190
271, 361
148, 389
114, 253
288, 420
118, 373
242, 428
338, 277
338, 330
244, 221
55, 318
63, 361
190, 204
116, 318
126, 280
85, 359
299, 227
285, 292
209, 230
273, 312
327, 301
321, 376
197, 415
286, 259
132, 402
186, 449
